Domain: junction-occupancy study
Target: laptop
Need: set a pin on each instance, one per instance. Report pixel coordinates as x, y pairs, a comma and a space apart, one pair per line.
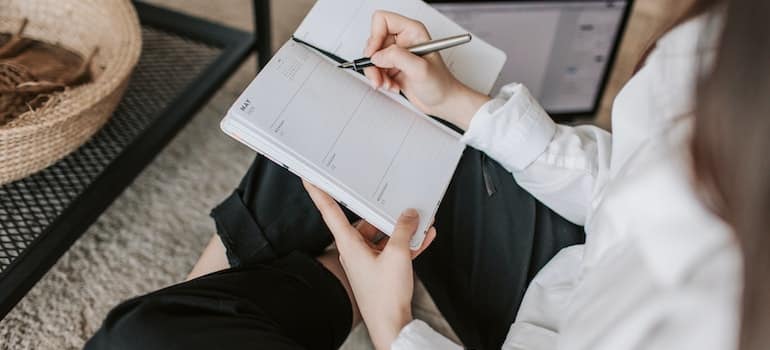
563, 51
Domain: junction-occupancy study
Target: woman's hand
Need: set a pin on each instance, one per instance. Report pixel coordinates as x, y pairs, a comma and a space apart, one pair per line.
426, 81
380, 274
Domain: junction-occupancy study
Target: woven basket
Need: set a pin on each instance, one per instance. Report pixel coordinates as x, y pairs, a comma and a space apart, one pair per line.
39, 138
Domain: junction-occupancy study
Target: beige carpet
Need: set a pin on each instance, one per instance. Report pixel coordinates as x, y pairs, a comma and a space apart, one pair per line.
152, 234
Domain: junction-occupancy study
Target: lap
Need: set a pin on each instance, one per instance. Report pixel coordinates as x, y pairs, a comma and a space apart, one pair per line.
290, 303
270, 215
492, 238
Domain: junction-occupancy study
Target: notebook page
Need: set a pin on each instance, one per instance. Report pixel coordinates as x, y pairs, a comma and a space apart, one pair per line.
343, 26
253, 138
317, 119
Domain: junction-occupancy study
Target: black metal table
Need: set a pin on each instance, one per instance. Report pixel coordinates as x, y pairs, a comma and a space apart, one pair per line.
184, 61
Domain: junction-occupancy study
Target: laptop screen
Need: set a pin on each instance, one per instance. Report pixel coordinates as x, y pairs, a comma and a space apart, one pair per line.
561, 50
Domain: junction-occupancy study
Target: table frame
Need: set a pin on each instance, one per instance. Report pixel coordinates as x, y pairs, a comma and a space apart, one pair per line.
82, 212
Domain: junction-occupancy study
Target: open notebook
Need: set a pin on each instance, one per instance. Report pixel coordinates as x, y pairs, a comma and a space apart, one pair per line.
369, 149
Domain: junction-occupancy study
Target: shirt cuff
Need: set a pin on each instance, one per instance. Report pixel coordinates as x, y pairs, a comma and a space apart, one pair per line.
513, 128
418, 335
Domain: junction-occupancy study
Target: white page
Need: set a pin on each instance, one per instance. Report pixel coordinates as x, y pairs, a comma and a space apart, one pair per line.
343, 26
374, 153
253, 138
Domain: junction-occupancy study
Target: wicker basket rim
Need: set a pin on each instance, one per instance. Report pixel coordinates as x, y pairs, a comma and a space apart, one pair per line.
35, 141
89, 95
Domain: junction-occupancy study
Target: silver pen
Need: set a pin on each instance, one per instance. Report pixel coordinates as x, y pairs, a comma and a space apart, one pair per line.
419, 50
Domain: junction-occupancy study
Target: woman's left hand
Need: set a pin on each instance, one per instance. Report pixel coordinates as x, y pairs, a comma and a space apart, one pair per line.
380, 275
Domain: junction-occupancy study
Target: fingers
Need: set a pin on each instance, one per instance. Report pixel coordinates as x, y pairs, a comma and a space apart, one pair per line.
374, 44
404, 230
383, 78
367, 230
351, 239
332, 213
374, 75
429, 237
390, 29
387, 81
377, 76
385, 24
399, 58
344, 234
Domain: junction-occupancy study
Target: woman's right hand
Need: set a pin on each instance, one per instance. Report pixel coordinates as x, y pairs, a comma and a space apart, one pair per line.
425, 81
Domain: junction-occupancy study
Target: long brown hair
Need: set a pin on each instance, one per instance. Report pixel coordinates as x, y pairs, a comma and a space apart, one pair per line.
731, 151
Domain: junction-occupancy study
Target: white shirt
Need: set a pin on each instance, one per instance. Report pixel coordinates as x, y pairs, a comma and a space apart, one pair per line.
658, 270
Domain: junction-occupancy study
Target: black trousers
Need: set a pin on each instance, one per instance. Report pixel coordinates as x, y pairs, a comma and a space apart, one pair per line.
492, 239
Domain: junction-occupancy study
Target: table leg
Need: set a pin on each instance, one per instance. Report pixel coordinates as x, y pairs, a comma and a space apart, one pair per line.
262, 32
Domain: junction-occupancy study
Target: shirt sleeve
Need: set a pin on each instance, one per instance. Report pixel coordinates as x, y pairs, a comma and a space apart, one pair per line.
562, 166
418, 335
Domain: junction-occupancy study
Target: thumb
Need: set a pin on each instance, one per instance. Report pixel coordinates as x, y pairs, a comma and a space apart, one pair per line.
401, 59
404, 230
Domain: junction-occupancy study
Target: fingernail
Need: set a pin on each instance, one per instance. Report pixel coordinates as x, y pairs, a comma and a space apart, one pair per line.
410, 213
375, 58
386, 85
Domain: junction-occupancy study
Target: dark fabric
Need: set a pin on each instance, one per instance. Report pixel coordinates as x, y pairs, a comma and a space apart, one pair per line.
290, 303
492, 239
270, 215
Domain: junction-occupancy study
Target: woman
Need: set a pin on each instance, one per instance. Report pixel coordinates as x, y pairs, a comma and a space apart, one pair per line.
658, 270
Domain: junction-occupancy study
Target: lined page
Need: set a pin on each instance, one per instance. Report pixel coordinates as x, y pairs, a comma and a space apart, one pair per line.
310, 115
343, 26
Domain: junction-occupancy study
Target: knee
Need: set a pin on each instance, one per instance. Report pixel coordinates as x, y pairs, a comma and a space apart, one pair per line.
135, 324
